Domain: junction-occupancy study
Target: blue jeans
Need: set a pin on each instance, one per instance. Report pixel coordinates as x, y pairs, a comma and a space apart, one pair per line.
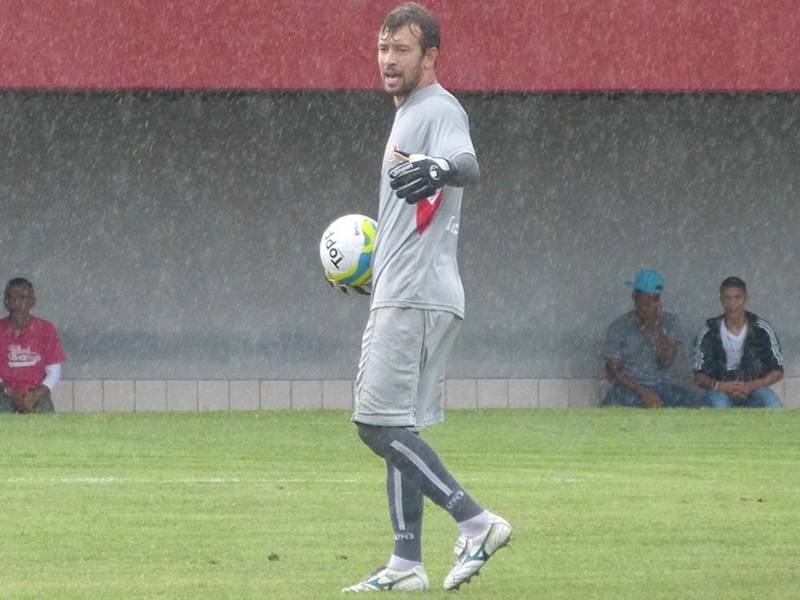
671, 395
762, 397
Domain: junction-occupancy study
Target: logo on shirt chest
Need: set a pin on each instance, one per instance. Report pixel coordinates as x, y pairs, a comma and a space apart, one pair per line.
22, 357
391, 148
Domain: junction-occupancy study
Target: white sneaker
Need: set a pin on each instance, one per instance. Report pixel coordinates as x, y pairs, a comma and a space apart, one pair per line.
387, 580
473, 552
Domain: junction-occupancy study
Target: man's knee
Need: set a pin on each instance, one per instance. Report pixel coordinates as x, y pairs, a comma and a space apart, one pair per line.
379, 438
5, 404
374, 437
717, 399
765, 397
44, 405
621, 397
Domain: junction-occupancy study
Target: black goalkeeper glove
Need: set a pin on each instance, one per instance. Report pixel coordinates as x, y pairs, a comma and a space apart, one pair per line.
419, 176
364, 290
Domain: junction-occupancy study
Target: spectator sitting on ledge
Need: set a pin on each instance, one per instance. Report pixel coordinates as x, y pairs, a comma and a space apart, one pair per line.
737, 354
641, 347
30, 353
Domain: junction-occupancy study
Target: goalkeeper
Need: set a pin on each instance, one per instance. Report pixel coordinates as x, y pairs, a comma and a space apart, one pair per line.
417, 307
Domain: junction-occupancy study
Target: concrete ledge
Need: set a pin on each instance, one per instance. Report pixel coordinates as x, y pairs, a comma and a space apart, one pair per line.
332, 394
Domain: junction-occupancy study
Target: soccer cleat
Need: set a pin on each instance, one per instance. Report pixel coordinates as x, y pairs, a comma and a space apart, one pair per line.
386, 580
473, 552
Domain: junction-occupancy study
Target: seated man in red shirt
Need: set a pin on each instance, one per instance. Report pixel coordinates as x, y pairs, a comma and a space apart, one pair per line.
30, 353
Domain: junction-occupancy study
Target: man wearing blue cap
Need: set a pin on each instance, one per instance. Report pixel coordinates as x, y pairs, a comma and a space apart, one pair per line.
641, 347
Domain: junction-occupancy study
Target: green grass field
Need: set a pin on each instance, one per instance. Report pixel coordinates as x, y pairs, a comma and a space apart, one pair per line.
607, 504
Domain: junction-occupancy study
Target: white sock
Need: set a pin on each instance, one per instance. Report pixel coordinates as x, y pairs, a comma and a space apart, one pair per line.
401, 564
477, 525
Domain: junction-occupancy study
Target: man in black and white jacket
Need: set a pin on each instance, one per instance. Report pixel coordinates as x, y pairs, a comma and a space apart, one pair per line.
737, 355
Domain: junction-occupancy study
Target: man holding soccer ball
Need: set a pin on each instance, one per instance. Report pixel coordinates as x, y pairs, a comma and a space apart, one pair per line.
417, 306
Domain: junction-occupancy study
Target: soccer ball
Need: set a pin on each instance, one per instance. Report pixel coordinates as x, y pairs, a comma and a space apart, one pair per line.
346, 253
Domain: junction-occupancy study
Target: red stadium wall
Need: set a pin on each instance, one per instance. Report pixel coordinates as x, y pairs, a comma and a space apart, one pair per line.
510, 45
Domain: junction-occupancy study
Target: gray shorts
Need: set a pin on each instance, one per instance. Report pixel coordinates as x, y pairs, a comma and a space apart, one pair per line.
400, 380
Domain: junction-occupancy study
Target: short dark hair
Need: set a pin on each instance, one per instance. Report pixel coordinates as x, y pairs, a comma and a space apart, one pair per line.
409, 14
736, 282
18, 281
